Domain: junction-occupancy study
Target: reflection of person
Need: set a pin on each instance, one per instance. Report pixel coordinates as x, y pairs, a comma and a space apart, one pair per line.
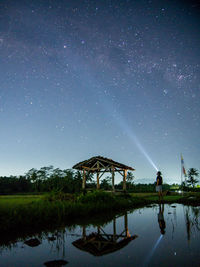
159, 182
161, 220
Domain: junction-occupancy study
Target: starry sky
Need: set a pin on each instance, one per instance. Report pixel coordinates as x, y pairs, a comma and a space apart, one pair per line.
120, 79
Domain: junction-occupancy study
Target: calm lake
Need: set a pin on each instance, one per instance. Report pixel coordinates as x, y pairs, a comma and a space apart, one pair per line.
165, 235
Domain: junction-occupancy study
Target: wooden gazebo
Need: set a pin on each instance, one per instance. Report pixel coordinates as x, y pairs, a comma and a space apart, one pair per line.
100, 166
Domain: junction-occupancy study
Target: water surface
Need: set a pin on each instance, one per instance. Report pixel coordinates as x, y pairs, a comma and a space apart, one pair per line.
159, 235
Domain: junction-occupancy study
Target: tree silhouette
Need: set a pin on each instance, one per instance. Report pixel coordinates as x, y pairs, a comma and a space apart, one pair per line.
192, 173
130, 177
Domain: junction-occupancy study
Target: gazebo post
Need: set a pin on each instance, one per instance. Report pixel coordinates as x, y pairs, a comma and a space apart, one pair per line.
98, 185
84, 180
124, 180
113, 179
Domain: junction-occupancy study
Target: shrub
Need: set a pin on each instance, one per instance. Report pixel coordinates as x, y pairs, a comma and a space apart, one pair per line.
96, 196
58, 195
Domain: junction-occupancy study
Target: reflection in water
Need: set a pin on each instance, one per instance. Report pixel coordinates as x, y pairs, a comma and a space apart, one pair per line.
191, 220
162, 226
79, 245
57, 242
161, 220
100, 243
148, 258
33, 242
56, 263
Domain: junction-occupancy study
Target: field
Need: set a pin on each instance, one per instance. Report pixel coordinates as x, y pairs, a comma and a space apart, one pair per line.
11, 201
14, 201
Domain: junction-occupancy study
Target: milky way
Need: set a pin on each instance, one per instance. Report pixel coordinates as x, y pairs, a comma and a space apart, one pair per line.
79, 78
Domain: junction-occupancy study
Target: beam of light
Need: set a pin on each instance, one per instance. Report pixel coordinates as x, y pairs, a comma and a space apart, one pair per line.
142, 150
110, 109
148, 258
135, 140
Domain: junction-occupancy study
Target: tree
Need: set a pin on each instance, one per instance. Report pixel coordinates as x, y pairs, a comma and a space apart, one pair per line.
192, 173
129, 180
77, 181
129, 177
45, 172
106, 183
89, 177
31, 175
184, 185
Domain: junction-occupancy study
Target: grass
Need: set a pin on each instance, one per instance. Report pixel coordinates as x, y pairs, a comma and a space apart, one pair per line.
189, 198
26, 213
144, 195
16, 200
21, 214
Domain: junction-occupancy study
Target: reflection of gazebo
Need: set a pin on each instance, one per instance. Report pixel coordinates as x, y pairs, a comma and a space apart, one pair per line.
33, 242
100, 166
100, 243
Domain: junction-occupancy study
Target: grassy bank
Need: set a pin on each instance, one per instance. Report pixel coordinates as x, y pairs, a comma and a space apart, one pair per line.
187, 198
26, 213
29, 214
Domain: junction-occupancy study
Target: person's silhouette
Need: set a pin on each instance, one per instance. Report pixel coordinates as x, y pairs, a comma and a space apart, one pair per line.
159, 182
161, 220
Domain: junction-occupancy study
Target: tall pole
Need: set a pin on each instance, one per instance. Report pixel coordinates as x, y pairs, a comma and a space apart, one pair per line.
181, 175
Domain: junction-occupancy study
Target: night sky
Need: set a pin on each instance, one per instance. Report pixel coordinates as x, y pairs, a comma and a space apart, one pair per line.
120, 79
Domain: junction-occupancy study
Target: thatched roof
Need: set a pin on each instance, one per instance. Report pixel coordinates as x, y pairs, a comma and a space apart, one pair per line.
97, 245
104, 163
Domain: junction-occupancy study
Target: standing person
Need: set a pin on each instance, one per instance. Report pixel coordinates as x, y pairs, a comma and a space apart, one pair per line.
159, 182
